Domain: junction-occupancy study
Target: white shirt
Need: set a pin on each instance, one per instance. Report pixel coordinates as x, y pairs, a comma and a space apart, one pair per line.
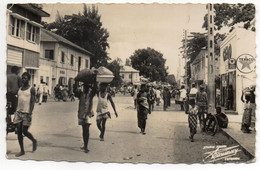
24, 97
183, 94
193, 90
158, 93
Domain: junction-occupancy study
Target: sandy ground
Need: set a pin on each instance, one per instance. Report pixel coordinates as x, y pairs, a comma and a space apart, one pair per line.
59, 136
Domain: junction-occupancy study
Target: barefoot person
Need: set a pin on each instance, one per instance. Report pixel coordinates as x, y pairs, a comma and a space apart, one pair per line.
192, 118
102, 109
85, 111
23, 115
142, 108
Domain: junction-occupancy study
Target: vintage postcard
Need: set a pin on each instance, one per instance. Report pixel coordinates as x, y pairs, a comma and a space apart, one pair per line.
157, 83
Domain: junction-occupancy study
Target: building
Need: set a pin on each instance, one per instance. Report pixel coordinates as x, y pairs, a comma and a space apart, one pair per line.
237, 65
23, 38
60, 59
199, 68
129, 74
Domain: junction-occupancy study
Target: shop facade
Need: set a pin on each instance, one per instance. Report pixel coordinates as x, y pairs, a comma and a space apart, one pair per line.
237, 67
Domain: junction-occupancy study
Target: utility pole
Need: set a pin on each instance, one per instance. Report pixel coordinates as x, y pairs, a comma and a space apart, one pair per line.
185, 57
211, 60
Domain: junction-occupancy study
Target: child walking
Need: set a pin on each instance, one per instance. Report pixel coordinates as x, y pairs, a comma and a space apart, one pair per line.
23, 115
85, 111
192, 119
102, 109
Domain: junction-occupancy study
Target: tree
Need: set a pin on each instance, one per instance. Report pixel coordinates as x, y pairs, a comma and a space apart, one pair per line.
150, 63
171, 80
231, 14
226, 15
85, 30
114, 66
127, 62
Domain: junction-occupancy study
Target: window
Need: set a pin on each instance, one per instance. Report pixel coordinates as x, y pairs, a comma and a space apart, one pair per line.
210, 7
130, 75
123, 76
49, 54
211, 31
62, 57
72, 60
32, 33
86, 63
16, 27
211, 19
210, 44
79, 63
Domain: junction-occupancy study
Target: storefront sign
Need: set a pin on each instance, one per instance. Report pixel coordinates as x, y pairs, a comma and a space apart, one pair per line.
62, 72
246, 63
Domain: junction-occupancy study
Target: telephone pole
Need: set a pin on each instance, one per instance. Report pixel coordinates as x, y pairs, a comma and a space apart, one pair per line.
211, 60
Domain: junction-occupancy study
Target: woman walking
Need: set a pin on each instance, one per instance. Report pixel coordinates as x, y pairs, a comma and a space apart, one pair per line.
102, 109
142, 108
23, 115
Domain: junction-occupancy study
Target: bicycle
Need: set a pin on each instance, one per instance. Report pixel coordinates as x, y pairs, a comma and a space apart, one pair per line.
208, 122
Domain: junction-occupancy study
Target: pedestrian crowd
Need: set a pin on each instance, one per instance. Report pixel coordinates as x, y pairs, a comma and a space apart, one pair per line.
21, 98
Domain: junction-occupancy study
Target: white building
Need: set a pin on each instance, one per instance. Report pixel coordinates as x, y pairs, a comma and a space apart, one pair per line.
129, 74
60, 59
23, 38
237, 65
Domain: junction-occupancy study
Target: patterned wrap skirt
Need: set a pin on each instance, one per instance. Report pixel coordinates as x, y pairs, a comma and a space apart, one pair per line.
192, 120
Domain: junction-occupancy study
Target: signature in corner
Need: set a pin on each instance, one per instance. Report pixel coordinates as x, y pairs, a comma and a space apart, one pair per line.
221, 153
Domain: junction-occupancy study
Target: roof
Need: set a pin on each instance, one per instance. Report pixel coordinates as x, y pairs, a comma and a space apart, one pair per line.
128, 69
48, 36
34, 9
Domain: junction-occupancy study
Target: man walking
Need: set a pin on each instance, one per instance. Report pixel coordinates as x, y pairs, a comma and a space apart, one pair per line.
183, 94
14, 82
201, 101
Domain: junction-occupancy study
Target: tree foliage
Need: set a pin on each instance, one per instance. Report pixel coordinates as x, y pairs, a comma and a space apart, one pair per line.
85, 30
128, 62
231, 14
171, 80
150, 63
225, 15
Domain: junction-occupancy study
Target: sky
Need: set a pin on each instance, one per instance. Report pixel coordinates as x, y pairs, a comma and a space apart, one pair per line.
138, 26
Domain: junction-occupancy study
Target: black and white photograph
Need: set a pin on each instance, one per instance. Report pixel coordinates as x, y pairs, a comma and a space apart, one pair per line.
131, 83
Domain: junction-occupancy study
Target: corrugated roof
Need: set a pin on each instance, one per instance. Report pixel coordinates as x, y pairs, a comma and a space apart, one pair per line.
128, 69
48, 36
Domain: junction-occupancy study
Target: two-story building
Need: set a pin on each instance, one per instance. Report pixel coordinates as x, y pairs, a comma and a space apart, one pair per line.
199, 68
23, 37
60, 59
129, 74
